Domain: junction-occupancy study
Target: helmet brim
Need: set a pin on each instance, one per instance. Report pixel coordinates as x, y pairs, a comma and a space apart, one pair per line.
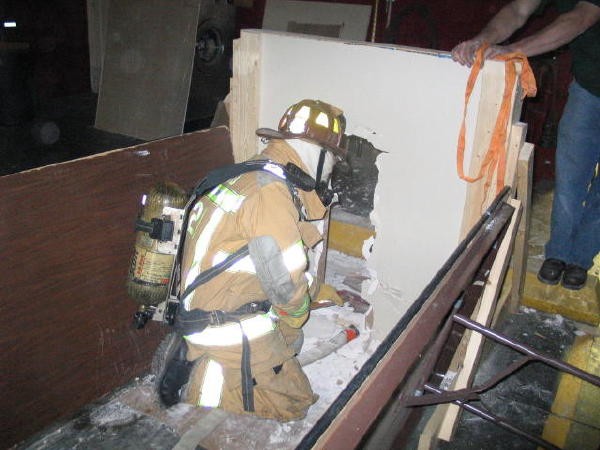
269, 133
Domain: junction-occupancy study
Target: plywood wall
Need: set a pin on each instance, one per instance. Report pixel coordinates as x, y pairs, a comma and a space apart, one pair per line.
147, 67
408, 102
66, 238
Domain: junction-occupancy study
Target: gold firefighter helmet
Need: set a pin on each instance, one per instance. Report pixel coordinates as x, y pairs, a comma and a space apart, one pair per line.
314, 121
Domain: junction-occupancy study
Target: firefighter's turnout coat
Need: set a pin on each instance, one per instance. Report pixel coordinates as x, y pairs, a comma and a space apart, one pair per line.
257, 209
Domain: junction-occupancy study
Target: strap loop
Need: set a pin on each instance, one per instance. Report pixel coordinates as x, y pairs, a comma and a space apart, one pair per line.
495, 157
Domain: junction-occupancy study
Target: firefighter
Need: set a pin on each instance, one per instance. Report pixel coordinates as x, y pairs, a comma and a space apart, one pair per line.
242, 358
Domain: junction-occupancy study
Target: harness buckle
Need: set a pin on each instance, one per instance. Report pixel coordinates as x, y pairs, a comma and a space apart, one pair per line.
217, 317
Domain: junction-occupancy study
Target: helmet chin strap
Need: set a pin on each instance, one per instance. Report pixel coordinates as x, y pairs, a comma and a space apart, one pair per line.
318, 168
320, 165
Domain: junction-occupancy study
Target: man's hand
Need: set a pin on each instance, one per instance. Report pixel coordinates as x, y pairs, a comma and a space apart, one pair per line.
494, 50
464, 53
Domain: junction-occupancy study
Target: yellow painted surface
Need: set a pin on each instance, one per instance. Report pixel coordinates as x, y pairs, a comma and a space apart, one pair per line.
581, 306
348, 238
574, 421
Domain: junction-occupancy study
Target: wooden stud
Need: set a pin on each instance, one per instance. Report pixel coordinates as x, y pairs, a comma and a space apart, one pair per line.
443, 421
519, 260
484, 316
492, 79
245, 95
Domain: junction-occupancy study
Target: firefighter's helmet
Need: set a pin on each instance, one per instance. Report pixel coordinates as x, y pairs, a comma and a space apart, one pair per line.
314, 121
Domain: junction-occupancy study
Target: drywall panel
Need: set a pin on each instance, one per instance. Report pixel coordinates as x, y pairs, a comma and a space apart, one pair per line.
338, 20
408, 103
67, 235
147, 67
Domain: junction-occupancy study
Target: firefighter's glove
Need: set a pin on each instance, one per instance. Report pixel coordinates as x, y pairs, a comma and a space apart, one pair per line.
328, 293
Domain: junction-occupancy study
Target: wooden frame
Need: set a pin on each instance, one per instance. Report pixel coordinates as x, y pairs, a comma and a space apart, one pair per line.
273, 70
252, 59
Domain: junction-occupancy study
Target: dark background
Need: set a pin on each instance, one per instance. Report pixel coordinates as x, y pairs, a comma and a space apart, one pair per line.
45, 88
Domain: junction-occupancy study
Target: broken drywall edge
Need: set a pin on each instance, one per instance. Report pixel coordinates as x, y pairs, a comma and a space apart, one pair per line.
367, 247
407, 102
389, 305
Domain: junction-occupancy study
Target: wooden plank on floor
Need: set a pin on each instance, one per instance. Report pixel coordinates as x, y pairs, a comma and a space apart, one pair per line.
581, 305
67, 237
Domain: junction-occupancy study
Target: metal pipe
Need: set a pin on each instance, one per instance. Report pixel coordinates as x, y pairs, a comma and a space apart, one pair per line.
496, 420
505, 340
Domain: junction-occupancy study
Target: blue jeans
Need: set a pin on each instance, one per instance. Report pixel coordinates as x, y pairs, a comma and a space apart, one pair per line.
575, 221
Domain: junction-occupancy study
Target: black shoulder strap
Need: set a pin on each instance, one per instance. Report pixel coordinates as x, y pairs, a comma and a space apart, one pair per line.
209, 274
291, 174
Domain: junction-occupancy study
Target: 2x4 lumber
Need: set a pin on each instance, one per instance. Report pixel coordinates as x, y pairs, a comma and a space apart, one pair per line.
492, 89
245, 95
484, 316
524, 190
442, 422
515, 145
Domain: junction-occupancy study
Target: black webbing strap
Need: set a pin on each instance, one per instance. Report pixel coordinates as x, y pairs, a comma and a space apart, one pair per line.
247, 380
293, 176
197, 320
215, 270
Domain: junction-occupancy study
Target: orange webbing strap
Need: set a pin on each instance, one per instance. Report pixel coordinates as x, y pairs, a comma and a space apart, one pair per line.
495, 157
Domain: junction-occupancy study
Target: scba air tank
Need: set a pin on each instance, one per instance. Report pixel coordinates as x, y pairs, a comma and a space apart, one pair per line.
158, 232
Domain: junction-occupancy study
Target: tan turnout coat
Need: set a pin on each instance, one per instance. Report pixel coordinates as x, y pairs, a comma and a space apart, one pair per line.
252, 205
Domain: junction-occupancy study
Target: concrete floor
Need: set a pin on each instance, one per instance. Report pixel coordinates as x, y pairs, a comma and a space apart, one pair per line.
526, 398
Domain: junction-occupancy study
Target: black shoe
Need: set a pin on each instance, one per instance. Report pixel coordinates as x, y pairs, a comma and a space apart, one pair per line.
171, 368
551, 271
574, 277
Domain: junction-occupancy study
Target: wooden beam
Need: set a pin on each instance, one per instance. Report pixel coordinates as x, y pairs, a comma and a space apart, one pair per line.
67, 238
492, 89
484, 316
245, 95
524, 188
517, 140
445, 417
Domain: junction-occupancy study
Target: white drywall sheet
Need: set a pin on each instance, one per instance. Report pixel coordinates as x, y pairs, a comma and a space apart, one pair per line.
351, 21
408, 103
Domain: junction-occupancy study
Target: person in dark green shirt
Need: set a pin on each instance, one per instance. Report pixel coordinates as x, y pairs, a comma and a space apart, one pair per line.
575, 222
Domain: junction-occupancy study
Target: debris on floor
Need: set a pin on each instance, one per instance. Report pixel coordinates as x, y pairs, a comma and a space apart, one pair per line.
131, 418
526, 397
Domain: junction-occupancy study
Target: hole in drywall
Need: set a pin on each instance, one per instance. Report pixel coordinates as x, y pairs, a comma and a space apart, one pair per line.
354, 179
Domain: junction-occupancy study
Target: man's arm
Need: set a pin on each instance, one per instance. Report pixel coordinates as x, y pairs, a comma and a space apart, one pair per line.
561, 31
509, 19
